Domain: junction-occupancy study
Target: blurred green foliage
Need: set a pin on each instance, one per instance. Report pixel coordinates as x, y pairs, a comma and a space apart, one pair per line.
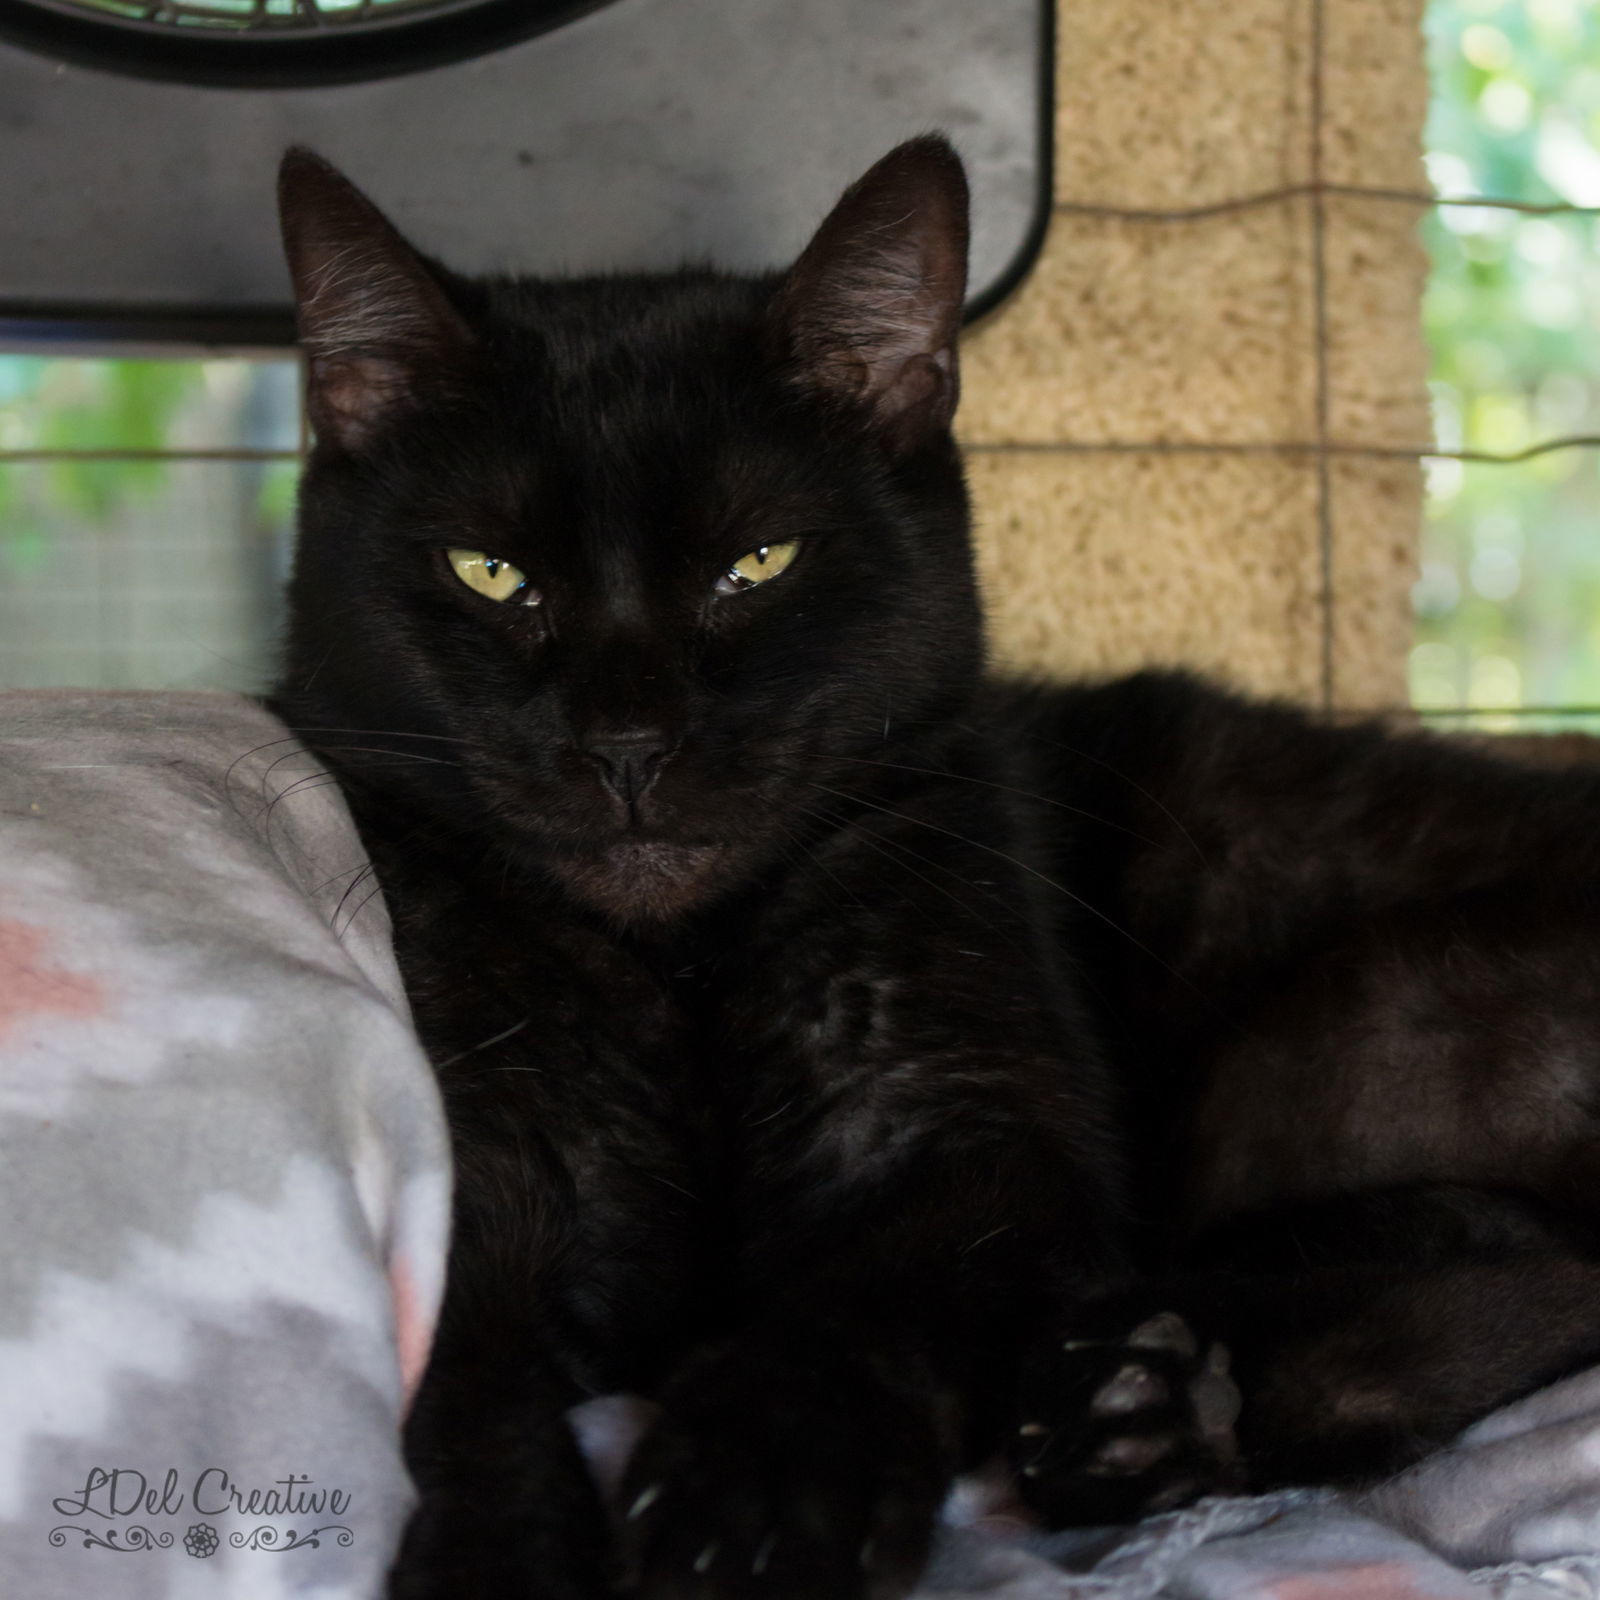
93, 405
1508, 601
128, 557
76, 404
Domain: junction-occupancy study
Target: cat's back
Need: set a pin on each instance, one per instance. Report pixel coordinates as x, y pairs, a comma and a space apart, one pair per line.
1224, 787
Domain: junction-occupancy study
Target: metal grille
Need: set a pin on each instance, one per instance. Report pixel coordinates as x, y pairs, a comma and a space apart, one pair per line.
275, 43
277, 17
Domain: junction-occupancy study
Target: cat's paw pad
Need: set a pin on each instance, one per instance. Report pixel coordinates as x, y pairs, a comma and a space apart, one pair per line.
1116, 1428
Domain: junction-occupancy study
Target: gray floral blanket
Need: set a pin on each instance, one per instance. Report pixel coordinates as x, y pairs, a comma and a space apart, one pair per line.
223, 1168
224, 1195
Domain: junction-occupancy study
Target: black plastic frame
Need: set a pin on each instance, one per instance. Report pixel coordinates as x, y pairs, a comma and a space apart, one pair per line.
102, 328
1022, 263
383, 47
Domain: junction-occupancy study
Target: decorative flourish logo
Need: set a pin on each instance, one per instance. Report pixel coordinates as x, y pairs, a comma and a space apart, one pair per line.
119, 1539
201, 1540
109, 1495
271, 1539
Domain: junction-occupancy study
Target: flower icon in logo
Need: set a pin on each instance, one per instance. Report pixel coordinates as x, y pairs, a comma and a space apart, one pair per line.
201, 1540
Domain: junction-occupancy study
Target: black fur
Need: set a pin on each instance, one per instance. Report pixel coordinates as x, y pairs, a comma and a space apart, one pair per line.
877, 1065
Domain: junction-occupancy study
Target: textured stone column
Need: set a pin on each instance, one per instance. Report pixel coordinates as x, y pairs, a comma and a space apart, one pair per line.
1199, 335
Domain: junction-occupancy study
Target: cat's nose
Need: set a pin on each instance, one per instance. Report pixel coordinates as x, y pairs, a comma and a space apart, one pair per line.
628, 762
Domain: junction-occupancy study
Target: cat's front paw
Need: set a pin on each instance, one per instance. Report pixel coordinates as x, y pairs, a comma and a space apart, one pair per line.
482, 1544
1114, 1428
788, 1475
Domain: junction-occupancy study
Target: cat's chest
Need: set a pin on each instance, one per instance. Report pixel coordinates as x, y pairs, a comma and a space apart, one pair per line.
707, 1018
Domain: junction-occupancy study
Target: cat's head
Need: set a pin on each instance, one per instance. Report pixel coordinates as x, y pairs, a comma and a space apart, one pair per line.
631, 581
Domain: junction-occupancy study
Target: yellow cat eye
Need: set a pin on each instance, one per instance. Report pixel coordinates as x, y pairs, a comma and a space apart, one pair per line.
756, 567
490, 576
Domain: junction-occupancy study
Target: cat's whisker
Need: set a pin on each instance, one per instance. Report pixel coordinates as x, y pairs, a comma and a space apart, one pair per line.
307, 783
350, 921
312, 780
668, 1183
295, 738
883, 845
376, 750
234, 765
771, 1116
360, 866
993, 1233
1032, 871
1122, 777
391, 757
493, 1039
355, 883
880, 843
799, 850
831, 820
1004, 788
376, 733
1044, 741
264, 787
316, 671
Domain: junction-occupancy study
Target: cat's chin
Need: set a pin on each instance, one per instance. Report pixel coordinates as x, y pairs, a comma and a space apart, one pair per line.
644, 880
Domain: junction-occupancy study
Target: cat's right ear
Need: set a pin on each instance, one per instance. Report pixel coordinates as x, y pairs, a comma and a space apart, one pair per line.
379, 332
871, 311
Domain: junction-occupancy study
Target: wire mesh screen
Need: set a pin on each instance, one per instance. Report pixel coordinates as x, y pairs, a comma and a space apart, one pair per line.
141, 648
146, 513
1455, 455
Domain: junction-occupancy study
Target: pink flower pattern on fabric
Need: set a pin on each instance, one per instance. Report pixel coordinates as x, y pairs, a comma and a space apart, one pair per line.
32, 986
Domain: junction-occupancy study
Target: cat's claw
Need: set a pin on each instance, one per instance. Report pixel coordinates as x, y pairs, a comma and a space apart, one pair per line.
782, 1485
1116, 1428
643, 1501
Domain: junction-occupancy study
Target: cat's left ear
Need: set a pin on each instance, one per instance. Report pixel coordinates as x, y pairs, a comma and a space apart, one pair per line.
872, 309
379, 331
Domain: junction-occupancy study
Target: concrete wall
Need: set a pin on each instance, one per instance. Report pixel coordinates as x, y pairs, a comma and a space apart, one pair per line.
1201, 333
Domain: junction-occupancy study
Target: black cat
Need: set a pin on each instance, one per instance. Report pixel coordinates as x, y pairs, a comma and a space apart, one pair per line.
876, 1065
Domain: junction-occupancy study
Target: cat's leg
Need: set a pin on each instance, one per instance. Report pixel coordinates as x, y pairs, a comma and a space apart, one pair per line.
1372, 1329
1351, 963
573, 1258
1361, 1333
505, 1503
1403, 1362
924, 1173
795, 1461
810, 1453
546, 1306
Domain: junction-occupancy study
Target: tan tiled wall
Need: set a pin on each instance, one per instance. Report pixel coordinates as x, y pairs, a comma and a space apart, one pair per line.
1201, 332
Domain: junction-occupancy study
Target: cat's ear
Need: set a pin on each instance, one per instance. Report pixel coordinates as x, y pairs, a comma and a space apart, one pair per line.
379, 332
872, 309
